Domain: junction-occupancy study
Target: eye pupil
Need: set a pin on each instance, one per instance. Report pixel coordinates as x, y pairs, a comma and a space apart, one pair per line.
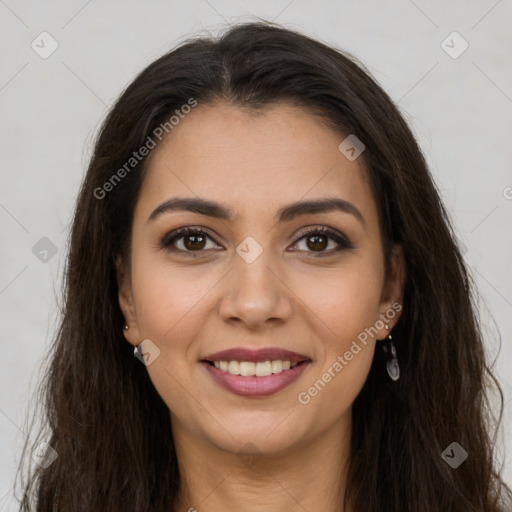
191, 245
316, 244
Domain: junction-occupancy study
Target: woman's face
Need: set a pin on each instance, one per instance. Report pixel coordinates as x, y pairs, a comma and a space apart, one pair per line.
256, 279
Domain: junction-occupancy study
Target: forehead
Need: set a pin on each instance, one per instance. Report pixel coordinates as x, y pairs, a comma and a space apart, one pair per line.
254, 161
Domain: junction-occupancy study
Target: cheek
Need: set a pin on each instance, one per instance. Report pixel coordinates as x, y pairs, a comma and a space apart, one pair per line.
168, 299
170, 306
343, 308
345, 301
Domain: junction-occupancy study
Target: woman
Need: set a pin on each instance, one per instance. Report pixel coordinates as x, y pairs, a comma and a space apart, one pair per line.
265, 307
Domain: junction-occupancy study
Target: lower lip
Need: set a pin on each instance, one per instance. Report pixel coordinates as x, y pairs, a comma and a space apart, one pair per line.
256, 386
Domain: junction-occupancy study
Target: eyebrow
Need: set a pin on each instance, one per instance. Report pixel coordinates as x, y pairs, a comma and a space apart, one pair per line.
285, 214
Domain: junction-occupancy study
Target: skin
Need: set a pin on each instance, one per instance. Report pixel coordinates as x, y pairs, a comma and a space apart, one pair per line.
193, 305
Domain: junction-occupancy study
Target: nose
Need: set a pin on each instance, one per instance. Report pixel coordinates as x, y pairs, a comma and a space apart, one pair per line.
256, 294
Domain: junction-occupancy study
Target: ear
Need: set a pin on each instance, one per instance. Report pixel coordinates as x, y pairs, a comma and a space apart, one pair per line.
126, 302
391, 304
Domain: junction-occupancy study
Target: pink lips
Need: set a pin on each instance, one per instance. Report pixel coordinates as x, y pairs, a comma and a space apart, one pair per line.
256, 386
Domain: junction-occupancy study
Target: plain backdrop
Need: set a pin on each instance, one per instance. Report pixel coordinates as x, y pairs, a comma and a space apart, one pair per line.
457, 100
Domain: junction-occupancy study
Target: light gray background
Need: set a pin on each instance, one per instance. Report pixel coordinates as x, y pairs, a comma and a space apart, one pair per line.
460, 110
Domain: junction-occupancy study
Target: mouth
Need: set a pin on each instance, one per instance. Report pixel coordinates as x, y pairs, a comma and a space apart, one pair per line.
255, 373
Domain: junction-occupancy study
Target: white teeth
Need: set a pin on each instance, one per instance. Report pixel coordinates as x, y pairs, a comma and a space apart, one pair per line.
234, 367
263, 369
250, 369
247, 369
277, 366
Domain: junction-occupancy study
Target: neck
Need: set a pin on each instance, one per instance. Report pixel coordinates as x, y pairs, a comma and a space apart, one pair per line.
309, 476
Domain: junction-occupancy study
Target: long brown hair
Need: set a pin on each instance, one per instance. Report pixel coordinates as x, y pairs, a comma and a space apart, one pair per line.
104, 418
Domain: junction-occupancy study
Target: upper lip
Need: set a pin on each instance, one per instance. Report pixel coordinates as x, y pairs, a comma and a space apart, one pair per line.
263, 354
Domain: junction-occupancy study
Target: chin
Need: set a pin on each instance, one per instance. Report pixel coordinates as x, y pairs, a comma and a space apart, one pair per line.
246, 436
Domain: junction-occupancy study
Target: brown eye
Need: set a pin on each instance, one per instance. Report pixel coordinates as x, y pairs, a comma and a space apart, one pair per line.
194, 242
188, 240
323, 242
317, 242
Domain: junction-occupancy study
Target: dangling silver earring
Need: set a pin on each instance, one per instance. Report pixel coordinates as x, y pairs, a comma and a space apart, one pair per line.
392, 362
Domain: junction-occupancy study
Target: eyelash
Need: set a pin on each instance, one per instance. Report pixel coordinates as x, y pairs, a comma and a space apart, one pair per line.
343, 242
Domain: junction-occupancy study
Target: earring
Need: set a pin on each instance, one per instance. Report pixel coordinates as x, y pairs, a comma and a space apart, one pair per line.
126, 327
392, 362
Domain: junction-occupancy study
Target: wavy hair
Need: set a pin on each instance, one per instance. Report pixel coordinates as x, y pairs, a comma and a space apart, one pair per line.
102, 415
